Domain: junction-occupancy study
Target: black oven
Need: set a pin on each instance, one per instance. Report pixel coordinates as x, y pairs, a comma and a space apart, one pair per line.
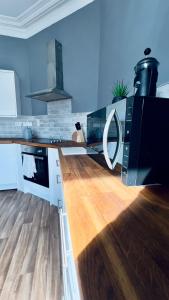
40, 155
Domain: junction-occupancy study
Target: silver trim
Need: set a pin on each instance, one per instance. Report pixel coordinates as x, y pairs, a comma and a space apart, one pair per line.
63, 242
36, 157
57, 163
58, 178
112, 163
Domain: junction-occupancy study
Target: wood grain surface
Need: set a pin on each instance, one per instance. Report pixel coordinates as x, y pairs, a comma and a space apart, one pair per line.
120, 234
29, 248
35, 143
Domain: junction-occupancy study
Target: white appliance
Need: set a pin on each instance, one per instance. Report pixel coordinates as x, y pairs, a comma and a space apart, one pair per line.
77, 151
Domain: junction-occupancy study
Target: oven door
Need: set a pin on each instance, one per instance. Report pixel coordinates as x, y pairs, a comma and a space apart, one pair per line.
41, 177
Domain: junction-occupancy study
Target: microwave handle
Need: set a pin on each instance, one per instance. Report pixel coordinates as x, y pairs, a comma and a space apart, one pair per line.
112, 163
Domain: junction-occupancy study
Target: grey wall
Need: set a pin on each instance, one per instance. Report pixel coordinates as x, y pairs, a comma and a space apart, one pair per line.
101, 44
79, 34
127, 28
13, 56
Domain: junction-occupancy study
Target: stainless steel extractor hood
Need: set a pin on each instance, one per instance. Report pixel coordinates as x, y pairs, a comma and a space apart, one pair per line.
55, 90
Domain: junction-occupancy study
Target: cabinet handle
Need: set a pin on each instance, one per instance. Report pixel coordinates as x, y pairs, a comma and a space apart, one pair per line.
35, 156
112, 164
64, 254
60, 205
57, 163
58, 179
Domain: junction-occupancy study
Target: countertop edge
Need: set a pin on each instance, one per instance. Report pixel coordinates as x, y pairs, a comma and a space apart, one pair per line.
43, 145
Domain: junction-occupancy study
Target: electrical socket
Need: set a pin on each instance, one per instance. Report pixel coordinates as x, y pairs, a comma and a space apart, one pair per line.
23, 124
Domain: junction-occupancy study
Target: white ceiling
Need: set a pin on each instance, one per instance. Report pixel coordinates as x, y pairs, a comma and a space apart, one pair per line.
15, 7
24, 18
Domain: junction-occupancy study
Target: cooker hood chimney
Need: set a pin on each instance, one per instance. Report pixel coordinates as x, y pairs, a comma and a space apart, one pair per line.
55, 90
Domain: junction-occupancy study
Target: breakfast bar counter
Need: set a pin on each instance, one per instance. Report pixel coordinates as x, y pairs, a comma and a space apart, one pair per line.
120, 234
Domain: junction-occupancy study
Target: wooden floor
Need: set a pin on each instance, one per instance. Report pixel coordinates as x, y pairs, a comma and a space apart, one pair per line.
29, 248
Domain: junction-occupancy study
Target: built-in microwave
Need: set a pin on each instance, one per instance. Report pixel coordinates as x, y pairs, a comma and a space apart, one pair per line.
132, 132
105, 128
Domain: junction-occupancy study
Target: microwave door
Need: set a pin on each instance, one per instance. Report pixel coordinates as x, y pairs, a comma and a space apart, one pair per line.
112, 147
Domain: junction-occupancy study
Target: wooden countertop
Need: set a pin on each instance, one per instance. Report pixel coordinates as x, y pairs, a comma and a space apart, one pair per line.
120, 234
35, 143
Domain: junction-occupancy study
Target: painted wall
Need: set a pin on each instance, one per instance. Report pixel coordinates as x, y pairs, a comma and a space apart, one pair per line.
101, 44
80, 37
79, 34
127, 28
13, 56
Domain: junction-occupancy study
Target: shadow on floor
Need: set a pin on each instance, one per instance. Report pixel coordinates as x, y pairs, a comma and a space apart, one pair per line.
129, 258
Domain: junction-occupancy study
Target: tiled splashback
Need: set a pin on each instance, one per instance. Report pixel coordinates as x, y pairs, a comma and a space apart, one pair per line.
62, 106
47, 126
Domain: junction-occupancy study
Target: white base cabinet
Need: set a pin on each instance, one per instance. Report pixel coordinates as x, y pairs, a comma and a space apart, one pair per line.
11, 177
8, 167
53, 194
70, 282
54, 177
11, 174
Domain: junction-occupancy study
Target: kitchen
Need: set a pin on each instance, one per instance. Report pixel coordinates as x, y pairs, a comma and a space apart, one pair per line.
81, 233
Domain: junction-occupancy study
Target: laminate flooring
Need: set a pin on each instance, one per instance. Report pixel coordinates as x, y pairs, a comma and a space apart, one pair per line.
29, 248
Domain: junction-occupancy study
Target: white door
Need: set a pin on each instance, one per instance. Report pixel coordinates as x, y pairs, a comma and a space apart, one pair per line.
8, 166
55, 180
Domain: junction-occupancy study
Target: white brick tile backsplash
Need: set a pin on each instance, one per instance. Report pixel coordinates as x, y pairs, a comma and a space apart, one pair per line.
47, 126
